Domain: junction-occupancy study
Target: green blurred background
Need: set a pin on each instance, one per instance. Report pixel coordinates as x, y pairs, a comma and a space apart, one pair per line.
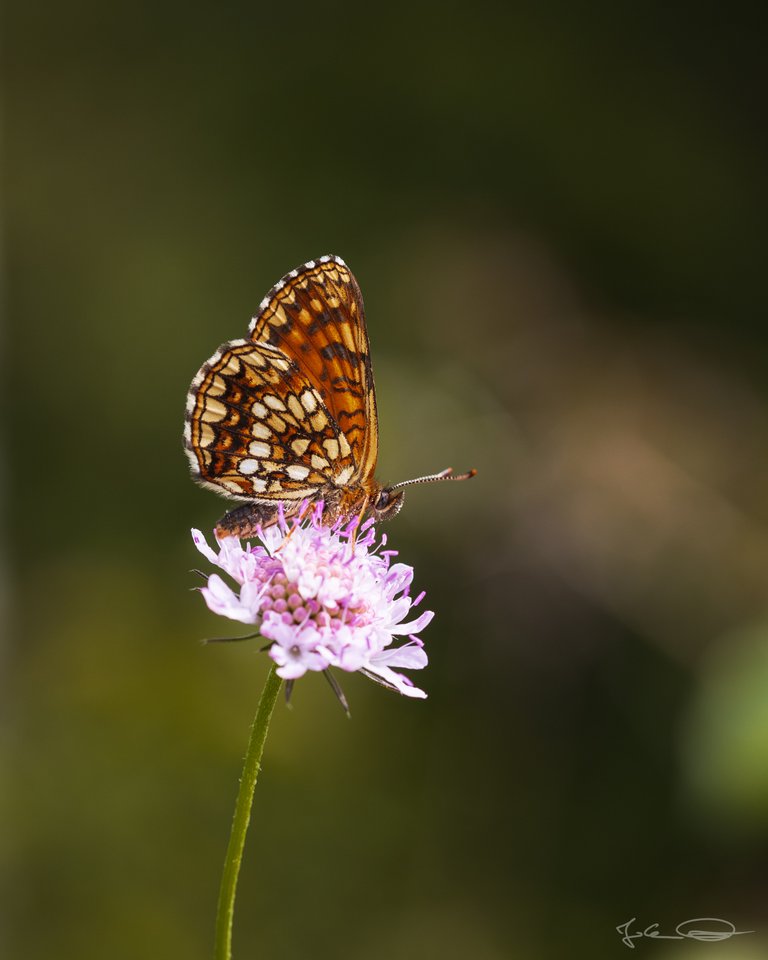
557, 215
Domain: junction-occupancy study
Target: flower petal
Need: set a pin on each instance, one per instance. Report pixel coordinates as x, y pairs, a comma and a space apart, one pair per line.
397, 681
202, 545
223, 600
413, 626
411, 656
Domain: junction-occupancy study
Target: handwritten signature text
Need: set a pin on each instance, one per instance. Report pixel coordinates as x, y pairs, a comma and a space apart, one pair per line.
708, 929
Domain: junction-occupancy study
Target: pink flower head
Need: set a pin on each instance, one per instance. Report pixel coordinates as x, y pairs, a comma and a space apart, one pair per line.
323, 599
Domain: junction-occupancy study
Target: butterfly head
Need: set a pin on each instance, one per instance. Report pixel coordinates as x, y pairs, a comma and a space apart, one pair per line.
387, 504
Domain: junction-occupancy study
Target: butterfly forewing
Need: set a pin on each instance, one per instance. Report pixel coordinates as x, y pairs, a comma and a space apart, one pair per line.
290, 413
315, 314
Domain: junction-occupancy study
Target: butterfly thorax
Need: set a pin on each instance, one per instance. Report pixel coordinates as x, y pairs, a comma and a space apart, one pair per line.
351, 501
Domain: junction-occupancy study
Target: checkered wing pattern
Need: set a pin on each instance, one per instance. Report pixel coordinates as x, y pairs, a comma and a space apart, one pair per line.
289, 413
315, 314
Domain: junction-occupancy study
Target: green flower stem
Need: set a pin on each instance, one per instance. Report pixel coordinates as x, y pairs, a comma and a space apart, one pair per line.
242, 816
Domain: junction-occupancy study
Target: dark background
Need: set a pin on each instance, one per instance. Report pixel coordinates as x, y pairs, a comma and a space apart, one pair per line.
558, 219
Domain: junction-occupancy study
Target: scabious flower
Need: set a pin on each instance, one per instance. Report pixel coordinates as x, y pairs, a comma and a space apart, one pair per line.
322, 598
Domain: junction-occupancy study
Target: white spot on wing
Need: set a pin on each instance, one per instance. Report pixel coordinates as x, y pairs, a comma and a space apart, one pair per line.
296, 472
318, 421
309, 401
231, 485
331, 448
213, 411
259, 449
342, 479
248, 466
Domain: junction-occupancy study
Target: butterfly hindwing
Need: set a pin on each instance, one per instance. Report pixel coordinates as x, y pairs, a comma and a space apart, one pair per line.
257, 428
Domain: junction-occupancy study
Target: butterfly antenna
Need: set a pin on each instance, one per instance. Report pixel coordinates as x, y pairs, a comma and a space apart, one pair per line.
446, 474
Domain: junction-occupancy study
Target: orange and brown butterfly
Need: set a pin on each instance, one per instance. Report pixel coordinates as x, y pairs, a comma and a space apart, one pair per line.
289, 414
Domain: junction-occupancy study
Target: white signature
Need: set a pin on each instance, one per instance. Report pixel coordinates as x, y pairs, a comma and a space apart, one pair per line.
708, 929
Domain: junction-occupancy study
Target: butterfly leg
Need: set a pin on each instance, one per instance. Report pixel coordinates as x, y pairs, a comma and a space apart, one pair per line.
361, 514
245, 521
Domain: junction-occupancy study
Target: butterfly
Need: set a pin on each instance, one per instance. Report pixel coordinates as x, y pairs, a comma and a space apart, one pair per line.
288, 414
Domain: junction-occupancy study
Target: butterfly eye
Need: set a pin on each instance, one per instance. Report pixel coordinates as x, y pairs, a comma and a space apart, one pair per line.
387, 504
